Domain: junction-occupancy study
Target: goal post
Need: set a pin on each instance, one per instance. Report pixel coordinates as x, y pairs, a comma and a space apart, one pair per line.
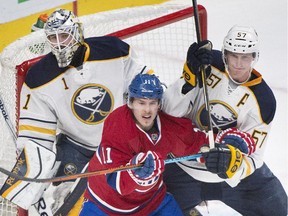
163, 21
160, 35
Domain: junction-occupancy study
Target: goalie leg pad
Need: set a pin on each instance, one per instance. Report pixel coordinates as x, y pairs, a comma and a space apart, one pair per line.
35, 161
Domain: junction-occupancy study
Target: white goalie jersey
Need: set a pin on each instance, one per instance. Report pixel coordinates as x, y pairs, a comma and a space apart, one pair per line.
250, 107
76, 100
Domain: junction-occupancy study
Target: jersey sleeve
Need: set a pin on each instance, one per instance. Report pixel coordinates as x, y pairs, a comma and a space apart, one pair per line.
37, 120
132, 66
259, 131
114, 151
174, 102
249, 164
111, 157
256, 122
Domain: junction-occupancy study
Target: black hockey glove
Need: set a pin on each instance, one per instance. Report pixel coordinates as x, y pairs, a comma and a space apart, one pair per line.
223, 160
198, 55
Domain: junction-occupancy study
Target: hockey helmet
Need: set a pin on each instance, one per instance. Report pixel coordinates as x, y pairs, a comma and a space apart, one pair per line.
145, 86
243, 40
64, 34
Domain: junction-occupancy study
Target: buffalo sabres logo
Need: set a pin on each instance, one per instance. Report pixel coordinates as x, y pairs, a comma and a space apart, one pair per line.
222, 116
70, 169
92, 103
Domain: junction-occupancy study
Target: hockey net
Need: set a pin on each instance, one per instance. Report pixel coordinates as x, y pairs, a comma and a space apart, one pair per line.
160, 34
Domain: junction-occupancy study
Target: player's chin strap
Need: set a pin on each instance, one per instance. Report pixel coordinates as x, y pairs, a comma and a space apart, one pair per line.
17, 177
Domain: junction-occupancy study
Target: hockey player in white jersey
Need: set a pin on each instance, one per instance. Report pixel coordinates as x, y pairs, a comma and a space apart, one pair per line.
69, 93
238, 97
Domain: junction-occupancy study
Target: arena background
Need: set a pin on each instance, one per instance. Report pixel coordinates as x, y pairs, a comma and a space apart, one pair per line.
13, 30
268, 18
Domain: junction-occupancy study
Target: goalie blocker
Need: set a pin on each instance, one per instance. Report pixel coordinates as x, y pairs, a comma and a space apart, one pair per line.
35, 161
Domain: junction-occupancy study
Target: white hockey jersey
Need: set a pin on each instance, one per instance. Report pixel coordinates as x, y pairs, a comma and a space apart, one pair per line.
76, 100
250, 107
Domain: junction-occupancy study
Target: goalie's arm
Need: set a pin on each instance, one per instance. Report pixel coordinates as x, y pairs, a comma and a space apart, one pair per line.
37, 119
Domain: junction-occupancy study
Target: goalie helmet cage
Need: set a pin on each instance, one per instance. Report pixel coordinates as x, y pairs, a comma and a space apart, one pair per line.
160, 34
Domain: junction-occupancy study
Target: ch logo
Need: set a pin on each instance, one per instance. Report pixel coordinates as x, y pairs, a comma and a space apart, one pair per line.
92, 103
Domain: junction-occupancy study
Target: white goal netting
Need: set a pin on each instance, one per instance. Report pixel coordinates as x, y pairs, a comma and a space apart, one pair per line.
161, 44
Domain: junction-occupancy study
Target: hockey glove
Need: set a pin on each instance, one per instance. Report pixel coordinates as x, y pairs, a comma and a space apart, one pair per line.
223, 160
241, 140
198, 55
153, 165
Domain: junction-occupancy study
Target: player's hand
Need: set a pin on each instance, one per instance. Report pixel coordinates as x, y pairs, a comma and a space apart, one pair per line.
241, 140
198, 55
153, 165
223, 160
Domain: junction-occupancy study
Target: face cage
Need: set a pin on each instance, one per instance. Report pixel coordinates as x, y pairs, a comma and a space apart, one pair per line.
62, 50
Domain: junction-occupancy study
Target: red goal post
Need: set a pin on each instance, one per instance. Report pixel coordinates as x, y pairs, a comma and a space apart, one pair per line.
160, 34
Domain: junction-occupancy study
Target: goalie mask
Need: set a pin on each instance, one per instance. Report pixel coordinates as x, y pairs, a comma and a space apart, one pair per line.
64, 34
241, 40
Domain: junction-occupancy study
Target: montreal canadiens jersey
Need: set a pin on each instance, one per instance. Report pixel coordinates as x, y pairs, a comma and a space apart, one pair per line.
118, 193
250, 107
76, 100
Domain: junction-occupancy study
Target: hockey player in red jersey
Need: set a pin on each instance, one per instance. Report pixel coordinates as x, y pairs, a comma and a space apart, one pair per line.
139, 133
239, 97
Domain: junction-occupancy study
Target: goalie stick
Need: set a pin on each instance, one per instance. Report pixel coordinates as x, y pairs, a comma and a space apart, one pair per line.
7, 119
93, 173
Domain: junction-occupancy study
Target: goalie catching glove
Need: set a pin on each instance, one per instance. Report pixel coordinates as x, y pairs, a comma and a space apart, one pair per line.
198, 55
223, 160
153, 167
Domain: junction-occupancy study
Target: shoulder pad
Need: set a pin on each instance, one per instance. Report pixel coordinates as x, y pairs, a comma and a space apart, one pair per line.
107, 47
266, 101
43, 71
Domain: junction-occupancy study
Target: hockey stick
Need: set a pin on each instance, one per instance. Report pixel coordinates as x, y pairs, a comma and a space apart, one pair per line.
72, 198
93, 173
7, 119
203, 77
